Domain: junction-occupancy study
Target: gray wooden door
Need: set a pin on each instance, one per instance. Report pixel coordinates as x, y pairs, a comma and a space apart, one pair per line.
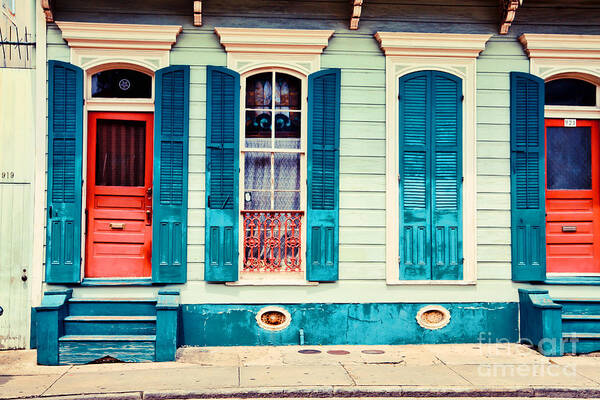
15, 256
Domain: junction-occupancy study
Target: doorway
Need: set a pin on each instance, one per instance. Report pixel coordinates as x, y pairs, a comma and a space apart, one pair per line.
572, 197
119, 195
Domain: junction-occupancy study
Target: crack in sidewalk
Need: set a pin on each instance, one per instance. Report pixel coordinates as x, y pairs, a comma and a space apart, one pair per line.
348, 373
56, 380
452, 369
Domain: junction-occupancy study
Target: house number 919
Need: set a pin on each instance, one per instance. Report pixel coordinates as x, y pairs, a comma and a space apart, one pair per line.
7, 174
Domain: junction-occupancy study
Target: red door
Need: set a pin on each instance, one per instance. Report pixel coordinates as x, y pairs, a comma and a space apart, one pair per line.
119, 195
572, 197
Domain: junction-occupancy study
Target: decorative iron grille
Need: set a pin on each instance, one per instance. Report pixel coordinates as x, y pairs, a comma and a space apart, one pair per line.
272, 241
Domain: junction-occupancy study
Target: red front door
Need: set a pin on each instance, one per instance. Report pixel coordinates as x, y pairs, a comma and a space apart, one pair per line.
572, 197
119, 195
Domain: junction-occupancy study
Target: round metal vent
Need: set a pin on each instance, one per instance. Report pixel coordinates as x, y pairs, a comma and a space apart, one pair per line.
433, 317
273, 318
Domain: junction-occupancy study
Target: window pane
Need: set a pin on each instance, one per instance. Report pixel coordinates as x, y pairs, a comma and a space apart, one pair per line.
259, 90
287, 200
570, 92
287, 171
122, 83
569, 158
257, 171
258, 126
287, 92
120, 153
287, 130
254, 200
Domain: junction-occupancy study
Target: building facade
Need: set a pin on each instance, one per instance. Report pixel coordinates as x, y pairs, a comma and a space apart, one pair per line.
242, 173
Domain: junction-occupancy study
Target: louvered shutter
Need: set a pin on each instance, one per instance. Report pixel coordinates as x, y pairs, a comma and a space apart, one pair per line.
415, 172
169, 200
430, 181
222, 170
65, 144
527, 146
446, 135
323, 175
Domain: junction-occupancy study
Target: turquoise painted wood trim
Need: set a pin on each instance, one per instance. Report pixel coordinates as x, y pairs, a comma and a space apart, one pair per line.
540, 321
430, 184
574, 280
116, 282
345, 323
50, 325
33, 329
167, 312
323, 168
170, 179
222, 174
527, 183
65, 149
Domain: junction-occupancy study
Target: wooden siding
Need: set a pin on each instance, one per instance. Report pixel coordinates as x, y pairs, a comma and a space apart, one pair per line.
362, 153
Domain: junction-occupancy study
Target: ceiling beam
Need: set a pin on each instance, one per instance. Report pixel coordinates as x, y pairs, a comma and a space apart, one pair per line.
356, 11
197, 13
47, 7
508, 11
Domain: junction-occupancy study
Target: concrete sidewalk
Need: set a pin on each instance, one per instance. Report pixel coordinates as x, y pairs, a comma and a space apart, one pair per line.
448, 370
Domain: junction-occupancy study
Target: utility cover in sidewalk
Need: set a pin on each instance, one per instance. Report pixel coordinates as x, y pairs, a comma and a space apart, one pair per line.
372, 351
309, 351
338, 352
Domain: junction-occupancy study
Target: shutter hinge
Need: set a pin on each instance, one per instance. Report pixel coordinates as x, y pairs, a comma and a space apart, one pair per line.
399, 260
398, 177
82, 182
462, 97
399, 96
84, 102
462, 180
208, 201
462, 260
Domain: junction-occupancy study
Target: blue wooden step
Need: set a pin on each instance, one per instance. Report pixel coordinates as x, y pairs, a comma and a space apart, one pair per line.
112, 306
110, 325
82, 349
581, 342
579, 306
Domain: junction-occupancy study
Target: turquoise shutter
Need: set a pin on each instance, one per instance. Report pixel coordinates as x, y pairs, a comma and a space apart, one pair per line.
323, 161
446, 153
222, 171
527, 145
65, 144
414, 170
430, 176
169, 199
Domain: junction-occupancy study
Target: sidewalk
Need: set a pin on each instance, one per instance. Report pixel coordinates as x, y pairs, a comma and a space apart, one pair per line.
446, 370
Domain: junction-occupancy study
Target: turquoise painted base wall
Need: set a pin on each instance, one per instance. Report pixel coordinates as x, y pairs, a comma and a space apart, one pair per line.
328, 324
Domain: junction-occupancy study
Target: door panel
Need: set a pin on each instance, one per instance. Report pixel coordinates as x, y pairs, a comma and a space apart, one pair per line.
572, 198
119, 216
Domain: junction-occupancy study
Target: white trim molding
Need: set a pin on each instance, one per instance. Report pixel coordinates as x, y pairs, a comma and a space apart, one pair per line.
565, 56
253, 48
431, 44
454, 54
94, 44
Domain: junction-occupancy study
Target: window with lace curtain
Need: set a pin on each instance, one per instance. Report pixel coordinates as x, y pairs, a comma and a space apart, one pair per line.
272, 172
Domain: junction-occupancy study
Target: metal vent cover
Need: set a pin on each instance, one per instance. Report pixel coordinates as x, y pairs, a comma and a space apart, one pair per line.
273, 318
433, 317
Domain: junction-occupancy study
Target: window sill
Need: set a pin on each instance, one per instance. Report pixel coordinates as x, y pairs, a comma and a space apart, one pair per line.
116, 282
433, 283
271, 282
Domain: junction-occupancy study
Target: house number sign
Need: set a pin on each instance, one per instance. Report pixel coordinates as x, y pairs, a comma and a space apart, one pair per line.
6, 175
570, 123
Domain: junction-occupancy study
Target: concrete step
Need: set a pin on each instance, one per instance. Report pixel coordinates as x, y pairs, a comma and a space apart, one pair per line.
82, 349
112, 306
579, 306
581, 342
110, 325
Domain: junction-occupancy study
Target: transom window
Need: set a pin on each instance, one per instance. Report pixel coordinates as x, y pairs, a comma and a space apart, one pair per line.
570, 92
272, 174
121, 83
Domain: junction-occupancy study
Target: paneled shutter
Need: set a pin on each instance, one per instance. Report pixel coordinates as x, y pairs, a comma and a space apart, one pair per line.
222, 170
169, 200
527, 145
430, 169
322, 218
65, 144
446, 153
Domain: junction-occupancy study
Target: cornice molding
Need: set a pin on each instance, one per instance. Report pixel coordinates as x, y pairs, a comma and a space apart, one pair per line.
119, 36
260, 40
561, 46
431, 44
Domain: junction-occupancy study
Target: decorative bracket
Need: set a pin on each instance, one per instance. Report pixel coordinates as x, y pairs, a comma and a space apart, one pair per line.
47, 6
508, 11
356, 11
197, 13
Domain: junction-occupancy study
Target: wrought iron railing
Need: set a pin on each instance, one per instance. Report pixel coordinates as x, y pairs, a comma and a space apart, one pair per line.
272, 241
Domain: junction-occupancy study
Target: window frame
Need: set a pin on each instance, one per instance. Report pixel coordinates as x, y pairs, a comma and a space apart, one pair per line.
280, 277
455, 54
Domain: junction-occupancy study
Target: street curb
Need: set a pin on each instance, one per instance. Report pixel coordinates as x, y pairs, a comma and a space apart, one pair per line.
332, 391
